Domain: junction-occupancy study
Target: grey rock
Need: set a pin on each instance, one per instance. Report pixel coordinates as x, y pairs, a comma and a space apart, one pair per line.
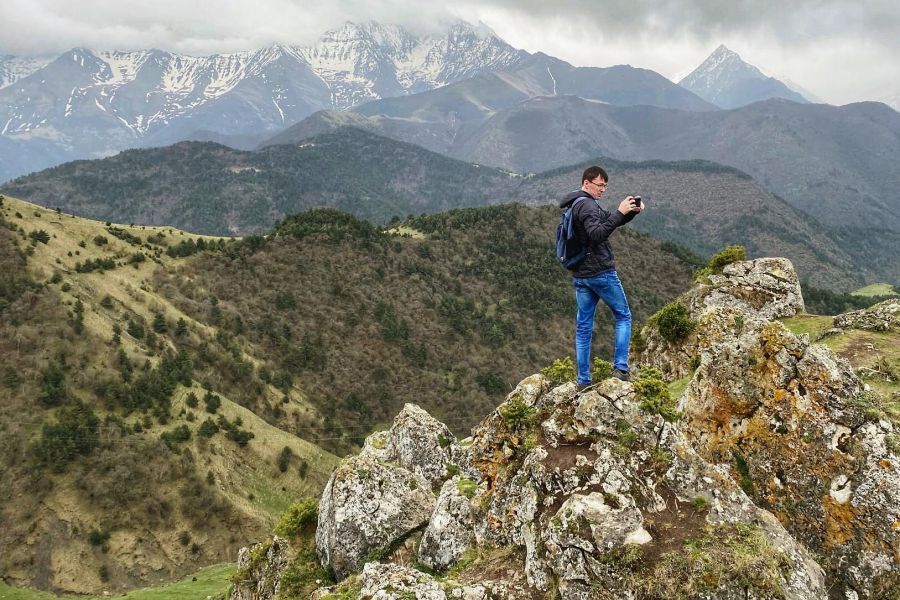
367, 505
883, 316
451, 529
262, 566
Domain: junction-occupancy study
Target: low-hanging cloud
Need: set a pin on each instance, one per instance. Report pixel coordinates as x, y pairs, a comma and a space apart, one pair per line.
841, 50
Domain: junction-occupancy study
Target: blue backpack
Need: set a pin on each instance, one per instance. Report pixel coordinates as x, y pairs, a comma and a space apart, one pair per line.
569, 249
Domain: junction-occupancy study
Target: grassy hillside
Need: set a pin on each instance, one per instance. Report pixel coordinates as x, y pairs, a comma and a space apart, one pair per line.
208, 582
96, 497
365, 320
874, 354
167, 395
209, 188
876, 289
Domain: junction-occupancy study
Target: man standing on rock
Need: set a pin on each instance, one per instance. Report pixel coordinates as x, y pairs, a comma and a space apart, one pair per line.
595, 277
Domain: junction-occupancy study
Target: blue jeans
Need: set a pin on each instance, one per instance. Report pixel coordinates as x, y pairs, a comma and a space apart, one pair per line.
589, 291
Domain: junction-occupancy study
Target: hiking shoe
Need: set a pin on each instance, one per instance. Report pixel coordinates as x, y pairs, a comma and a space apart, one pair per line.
620, 374
583, 386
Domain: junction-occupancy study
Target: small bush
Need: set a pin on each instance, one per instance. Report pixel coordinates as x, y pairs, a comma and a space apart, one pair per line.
207, 429
300, 517
184, 538
40, 236
516, 413
284, 459
653, 395
602, 369
98, 537
719, 261
673, 321
492, 383
176, 436
212, 402
560, 371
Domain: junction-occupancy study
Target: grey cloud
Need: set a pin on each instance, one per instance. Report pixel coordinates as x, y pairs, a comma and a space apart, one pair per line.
841, 50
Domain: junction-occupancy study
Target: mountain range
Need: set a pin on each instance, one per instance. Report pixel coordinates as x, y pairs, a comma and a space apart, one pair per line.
92, 103
827, 161
211, 189
87, 103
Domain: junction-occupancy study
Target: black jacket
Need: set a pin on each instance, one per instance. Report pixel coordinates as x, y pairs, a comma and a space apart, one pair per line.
593, 226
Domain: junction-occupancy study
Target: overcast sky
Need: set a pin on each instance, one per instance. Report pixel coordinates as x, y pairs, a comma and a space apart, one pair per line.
840, 50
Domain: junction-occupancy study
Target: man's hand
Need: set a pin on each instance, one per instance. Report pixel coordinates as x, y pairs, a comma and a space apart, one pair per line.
626, 206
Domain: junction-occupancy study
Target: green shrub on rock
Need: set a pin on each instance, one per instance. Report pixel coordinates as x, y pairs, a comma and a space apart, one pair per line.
560, 371
719, 261
653, 394
298, 518
673, 321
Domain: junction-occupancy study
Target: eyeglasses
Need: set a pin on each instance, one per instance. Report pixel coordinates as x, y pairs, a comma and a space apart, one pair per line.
602, 186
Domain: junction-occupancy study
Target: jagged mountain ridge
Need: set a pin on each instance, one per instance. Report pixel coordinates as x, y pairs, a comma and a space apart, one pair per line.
92, 103
14, 68
88, 103
729, 82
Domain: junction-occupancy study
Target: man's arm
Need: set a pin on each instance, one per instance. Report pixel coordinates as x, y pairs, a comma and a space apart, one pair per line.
599, 225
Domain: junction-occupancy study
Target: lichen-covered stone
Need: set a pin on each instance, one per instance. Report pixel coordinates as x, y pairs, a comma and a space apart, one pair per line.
451, 529
883, 316
802, 437
751, 291
366, 507
260, 568
573, 495
417, 442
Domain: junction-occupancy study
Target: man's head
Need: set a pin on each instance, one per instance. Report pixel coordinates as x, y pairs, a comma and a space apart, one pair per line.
593, 181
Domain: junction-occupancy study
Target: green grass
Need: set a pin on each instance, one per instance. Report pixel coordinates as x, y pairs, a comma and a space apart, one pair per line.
406, 230
875, 289
211, 581
813, 325
677, 387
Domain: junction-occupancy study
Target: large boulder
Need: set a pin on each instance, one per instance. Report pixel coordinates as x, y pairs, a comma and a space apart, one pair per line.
451, 528
376, 499
754, 290
805, 440
366, 507
417, 442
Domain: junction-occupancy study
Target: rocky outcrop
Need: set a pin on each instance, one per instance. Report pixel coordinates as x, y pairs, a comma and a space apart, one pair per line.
260, 568
883, 316
377, 498
760, 289
588, 492
366, 507
777, 461
804, 439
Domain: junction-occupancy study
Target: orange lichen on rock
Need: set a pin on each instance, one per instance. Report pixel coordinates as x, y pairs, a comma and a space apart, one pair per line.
838, 522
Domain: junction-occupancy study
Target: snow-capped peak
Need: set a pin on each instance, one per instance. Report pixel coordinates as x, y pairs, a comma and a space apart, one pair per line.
727, 81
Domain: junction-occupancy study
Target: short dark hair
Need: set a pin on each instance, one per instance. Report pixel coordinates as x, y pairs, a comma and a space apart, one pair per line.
591, 173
